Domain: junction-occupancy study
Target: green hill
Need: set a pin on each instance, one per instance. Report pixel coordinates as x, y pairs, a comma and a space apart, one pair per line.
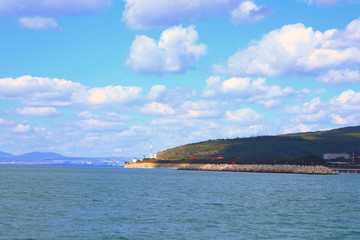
287, 147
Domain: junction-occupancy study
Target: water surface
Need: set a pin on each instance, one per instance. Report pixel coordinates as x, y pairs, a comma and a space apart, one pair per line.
56, 202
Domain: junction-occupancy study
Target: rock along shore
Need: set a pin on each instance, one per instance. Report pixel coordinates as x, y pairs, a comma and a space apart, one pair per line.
295, 169
155, 165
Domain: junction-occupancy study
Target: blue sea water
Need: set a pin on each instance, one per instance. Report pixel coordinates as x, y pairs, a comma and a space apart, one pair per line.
57, 202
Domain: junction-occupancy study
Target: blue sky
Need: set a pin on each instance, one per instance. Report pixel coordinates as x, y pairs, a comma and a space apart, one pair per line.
103, 77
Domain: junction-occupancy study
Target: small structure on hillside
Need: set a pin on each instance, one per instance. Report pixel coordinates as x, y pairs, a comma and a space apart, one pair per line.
136, 160
331, 156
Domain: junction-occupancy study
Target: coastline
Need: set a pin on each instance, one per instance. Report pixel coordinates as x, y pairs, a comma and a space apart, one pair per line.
292, 169
155, 165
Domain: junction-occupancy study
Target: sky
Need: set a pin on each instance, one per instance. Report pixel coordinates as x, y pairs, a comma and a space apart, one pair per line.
107, 77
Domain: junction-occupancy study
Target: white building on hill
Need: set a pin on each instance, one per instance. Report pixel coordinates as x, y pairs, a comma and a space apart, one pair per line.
330, 156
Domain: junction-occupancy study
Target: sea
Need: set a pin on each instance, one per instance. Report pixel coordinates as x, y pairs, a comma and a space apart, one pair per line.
78, 202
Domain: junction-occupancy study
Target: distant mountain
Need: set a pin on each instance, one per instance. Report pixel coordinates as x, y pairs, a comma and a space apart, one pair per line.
40, 156
4, 154
288, 146
54, 158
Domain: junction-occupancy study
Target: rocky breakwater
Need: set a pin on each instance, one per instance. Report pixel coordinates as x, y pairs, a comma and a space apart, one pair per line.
295, 169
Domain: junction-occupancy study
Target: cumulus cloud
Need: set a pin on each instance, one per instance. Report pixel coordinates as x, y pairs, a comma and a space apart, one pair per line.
298, 127
314, 111
297, 50
140, 14
339, 77
175, 52
307, 108
347, 102
51, 8
320, 117
59, 92
352, 119
246, 90
248, 12
340, 110
135, 132
22, 128
41, 14
236, 131
37, 111
156, 92
173, 97
39, 23
109, 95
156, 108
243, 116
201, 110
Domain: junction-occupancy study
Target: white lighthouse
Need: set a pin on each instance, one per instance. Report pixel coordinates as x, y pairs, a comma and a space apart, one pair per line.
150, 148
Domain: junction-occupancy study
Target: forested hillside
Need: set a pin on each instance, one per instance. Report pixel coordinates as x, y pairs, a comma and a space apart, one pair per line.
289, 146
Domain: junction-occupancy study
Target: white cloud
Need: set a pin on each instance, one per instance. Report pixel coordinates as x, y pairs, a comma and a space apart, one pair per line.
111, 95
41, 14
270, 103
5, 122
340, 110
243, 131
114, 116
313, 112
295, 49
348, 102
156, 92
22, 128
175, 52
324, 3
87, 115
46, 8
185, 125
108, 116
201, 110
339, 77
173, 97
141, 14
135, 132
243, 116
39, 23
156, 108
248, 12
246, 90
99, 125
59, 92
37, 111
307, 108
352, 119
320, 116
298, 127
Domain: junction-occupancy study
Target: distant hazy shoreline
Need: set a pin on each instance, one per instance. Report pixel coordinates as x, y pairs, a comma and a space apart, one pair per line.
295, 169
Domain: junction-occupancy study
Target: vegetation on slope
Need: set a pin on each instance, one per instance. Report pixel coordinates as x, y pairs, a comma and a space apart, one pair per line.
297, 147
